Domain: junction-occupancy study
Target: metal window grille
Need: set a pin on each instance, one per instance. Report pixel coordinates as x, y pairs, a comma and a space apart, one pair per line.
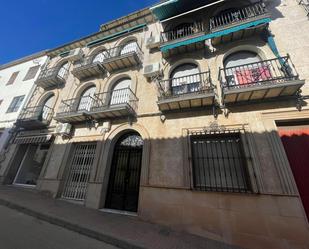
78, 176
219, 163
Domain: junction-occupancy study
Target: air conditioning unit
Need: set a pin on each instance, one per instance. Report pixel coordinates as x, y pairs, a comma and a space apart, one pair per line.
63, 129
153, 42
152, 70
75, 54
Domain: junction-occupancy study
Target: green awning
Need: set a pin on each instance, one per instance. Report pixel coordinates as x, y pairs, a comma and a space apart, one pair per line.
96, 42
169, 8
215, 34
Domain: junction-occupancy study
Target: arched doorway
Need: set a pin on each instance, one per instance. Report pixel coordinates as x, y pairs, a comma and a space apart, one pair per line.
47, 108
120, 92
124, 180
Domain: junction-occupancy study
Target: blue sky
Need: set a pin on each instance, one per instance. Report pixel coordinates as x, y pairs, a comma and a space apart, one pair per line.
29, 26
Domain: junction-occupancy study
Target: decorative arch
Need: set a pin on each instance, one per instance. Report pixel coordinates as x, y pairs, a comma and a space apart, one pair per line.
78, 91
113, 80
244, 47
126, 40
45, 97
182, 62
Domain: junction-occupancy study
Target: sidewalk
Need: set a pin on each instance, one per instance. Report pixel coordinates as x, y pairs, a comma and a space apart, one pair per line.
118, 230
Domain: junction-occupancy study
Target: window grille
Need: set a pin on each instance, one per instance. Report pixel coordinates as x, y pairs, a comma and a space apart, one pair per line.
219, 162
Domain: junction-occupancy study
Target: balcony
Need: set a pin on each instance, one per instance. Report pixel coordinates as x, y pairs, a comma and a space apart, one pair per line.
115, 104
35, 117
87, 68
186, 92
124, 56
240, 24
52, 77
258, 81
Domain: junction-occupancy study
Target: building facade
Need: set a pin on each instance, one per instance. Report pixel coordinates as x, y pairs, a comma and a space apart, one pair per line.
17, 84
191, 114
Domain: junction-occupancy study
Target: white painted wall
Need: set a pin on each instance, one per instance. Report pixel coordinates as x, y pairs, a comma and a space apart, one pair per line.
18, 88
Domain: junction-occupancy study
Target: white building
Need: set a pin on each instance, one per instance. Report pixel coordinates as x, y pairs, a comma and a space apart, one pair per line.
17, 85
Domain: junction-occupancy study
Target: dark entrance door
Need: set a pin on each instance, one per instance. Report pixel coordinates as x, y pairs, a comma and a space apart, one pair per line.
295, 140
123, 187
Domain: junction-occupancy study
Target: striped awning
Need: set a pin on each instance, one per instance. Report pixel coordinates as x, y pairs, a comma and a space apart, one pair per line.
37, 139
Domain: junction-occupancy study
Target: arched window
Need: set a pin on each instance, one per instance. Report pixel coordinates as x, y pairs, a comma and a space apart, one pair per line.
63, 71
121, 92
245, 67
185, 79
100, 57
86, 99
47, 108
130, 47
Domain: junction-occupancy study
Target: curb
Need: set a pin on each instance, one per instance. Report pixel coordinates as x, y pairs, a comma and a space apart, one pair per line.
71, 226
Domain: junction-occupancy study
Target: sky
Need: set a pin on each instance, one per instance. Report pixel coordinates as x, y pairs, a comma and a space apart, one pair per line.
30, 26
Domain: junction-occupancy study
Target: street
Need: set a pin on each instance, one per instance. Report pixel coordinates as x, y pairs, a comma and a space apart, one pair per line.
20, 231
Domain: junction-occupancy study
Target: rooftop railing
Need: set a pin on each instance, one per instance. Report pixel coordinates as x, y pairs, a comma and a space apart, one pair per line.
190, 84
272, 71
238, 16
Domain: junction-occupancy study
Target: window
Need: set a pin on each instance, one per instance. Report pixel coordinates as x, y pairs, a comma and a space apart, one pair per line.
32, 73
13, 78
120, 93
244, 67
86, 99
63, 71
185, 79
219, 163
129, 48
15, 104
100, 57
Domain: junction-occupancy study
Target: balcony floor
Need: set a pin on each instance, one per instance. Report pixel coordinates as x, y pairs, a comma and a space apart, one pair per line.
31, 123
261, 91
88, 71
187, 101
49, 82
115, 111
121, 62
73, 117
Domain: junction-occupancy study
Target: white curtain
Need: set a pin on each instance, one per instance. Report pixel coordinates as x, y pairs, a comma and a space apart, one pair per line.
121, 92
129, 48
86, 99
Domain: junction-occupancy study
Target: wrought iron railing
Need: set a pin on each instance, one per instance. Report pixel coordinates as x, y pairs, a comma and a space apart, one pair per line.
272, 71
100, 101
41, 113
59, 72
124, 50
123, 96
238, 16
76, 105
86, 62
182, 32
189, 84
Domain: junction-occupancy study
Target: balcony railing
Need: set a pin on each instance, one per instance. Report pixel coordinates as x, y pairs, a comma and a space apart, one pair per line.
183, 32
123, 50
76, 105
272, 71
52, 77
35, 116
86, 67
240, 16
118, 97
191, 84
107, 104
